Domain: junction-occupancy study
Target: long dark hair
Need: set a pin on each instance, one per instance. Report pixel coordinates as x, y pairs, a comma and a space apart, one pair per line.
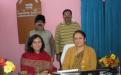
30, 41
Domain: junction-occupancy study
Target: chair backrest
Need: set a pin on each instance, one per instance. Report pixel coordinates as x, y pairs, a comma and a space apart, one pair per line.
65, 48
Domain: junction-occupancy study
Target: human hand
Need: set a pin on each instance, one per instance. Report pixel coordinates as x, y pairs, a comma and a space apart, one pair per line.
52, 58
58, 58
43, 73
22, 73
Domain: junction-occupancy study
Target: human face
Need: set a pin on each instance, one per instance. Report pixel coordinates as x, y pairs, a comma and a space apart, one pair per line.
39, 25
37, 44
79, 40
67, 17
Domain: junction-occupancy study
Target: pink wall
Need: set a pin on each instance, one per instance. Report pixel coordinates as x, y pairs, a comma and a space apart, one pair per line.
52, 9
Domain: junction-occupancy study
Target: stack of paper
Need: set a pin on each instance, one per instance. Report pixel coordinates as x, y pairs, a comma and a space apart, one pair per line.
68, 71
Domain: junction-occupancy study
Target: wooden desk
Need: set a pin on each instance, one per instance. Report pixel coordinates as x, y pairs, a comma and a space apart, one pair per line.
93, 72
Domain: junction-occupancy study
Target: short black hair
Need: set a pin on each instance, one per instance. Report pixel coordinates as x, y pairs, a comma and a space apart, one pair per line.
67, 10
39, 18
30, 41
81, 32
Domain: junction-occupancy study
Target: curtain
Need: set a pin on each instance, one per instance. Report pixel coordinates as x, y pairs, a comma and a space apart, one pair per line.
101, 23
113, 26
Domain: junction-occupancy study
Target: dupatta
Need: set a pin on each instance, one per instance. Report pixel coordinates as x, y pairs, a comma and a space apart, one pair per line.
34, 63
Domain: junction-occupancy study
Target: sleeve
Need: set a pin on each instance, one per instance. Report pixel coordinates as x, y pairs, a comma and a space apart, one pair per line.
23, 61
93, 60
77, 25
66, 62
57, 40
51, 68
52, 45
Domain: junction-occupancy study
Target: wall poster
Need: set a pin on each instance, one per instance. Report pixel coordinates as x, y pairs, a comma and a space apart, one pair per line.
26, 11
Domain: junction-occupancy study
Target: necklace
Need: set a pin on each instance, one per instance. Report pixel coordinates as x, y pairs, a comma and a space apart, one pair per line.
79, 49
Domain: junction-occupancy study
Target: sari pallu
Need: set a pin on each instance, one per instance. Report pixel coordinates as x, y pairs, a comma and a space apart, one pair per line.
36, 63
78, 60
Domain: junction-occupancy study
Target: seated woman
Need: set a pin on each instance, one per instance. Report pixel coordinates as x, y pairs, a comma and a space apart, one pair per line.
80, 56
35, 60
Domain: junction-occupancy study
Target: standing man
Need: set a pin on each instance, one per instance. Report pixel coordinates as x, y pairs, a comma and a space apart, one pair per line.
45, 34
64, 32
